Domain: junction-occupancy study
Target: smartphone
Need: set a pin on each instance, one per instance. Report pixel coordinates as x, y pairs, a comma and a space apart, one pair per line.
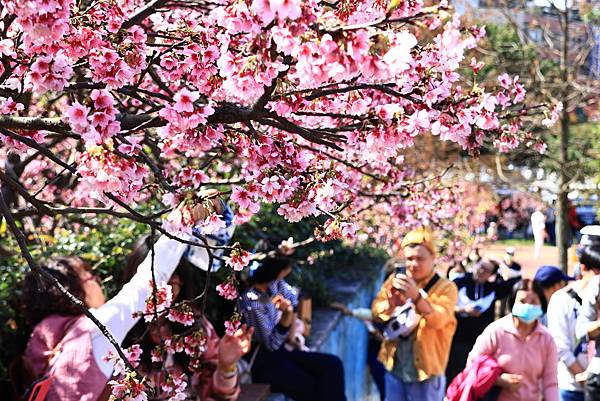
400, 269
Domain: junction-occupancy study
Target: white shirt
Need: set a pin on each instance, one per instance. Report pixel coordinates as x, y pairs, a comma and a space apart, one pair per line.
562, 314
117, 313
538, 221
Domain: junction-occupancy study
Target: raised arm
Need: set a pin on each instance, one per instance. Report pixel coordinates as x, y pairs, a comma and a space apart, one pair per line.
118, 313
381, 307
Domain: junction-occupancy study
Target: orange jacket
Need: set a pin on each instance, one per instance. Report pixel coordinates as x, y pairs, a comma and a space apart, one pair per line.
434, 332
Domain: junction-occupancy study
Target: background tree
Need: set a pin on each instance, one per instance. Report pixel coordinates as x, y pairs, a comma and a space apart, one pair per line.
550, 49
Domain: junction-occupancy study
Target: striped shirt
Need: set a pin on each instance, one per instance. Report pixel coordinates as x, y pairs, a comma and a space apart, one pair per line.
260, 312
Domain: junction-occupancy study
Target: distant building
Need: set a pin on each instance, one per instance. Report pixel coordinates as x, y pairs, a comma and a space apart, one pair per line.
538, 20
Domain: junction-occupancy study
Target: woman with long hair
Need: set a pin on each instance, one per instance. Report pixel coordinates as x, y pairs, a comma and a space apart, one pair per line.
65, 345
210, 372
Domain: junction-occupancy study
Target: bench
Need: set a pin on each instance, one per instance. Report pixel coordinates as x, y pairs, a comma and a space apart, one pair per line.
254, 392
259, 392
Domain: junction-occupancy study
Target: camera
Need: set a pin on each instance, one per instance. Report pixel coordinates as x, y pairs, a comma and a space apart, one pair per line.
399, 270
403, 322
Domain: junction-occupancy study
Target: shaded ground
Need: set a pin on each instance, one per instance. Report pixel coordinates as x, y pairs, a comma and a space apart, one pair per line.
524, 255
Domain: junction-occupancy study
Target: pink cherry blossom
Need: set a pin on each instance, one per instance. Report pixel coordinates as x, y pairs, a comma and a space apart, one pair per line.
181, 314
184, 101
238, 259
77, 115
212, 224
227, 291
164, 297
554, 115
232, 326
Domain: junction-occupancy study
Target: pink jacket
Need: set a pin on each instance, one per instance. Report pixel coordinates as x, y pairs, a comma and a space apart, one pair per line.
534, 358
62, 347
475, 381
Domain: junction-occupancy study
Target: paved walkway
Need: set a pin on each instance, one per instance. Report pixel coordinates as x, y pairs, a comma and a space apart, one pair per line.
524, 255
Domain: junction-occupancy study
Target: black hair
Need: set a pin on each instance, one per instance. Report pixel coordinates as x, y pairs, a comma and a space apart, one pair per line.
265, 245
495, 264
269, 269
41, 300
590, 256
539, 288
522, 285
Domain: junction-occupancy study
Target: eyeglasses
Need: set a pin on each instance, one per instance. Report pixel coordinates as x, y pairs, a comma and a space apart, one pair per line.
91, 277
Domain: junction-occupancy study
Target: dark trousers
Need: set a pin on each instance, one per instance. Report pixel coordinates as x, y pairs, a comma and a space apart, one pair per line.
592, 388
377, 369
302, 376
459, 352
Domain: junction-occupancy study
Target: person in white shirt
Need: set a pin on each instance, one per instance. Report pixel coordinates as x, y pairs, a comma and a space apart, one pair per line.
563, 310
538, 226
63, 331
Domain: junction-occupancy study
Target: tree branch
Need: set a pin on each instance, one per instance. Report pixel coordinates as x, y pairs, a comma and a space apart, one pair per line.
143, 13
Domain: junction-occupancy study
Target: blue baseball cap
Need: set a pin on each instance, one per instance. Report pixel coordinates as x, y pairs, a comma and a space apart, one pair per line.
549, 275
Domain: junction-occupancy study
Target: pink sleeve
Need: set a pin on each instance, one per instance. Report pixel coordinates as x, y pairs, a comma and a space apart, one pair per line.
549, 375
485, 345
217, 387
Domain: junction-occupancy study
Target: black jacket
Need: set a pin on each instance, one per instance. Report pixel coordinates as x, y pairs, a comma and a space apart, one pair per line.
469, 327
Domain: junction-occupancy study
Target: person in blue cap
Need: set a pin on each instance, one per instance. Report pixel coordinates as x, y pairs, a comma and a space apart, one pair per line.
564, 309
588, 328
547, 280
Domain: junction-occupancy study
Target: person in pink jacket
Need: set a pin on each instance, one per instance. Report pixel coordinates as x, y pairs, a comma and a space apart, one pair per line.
524, 349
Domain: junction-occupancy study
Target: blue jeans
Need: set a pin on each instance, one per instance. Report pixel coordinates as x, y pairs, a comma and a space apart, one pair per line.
567, 395
432, 389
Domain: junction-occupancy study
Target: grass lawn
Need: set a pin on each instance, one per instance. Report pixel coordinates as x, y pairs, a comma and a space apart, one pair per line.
514, 242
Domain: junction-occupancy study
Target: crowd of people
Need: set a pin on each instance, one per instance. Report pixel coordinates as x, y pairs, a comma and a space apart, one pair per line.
481, 332
522, 216
489, 334
69, 358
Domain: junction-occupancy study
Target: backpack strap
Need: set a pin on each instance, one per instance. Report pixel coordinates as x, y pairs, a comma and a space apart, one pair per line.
40, 389
431, 283
573, 294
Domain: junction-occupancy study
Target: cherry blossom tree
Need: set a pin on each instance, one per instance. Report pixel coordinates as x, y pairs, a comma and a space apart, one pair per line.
132, 109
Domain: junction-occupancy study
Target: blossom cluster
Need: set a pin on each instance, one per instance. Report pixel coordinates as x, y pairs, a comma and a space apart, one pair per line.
95, 125
298, 102
158, 301
105, 172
